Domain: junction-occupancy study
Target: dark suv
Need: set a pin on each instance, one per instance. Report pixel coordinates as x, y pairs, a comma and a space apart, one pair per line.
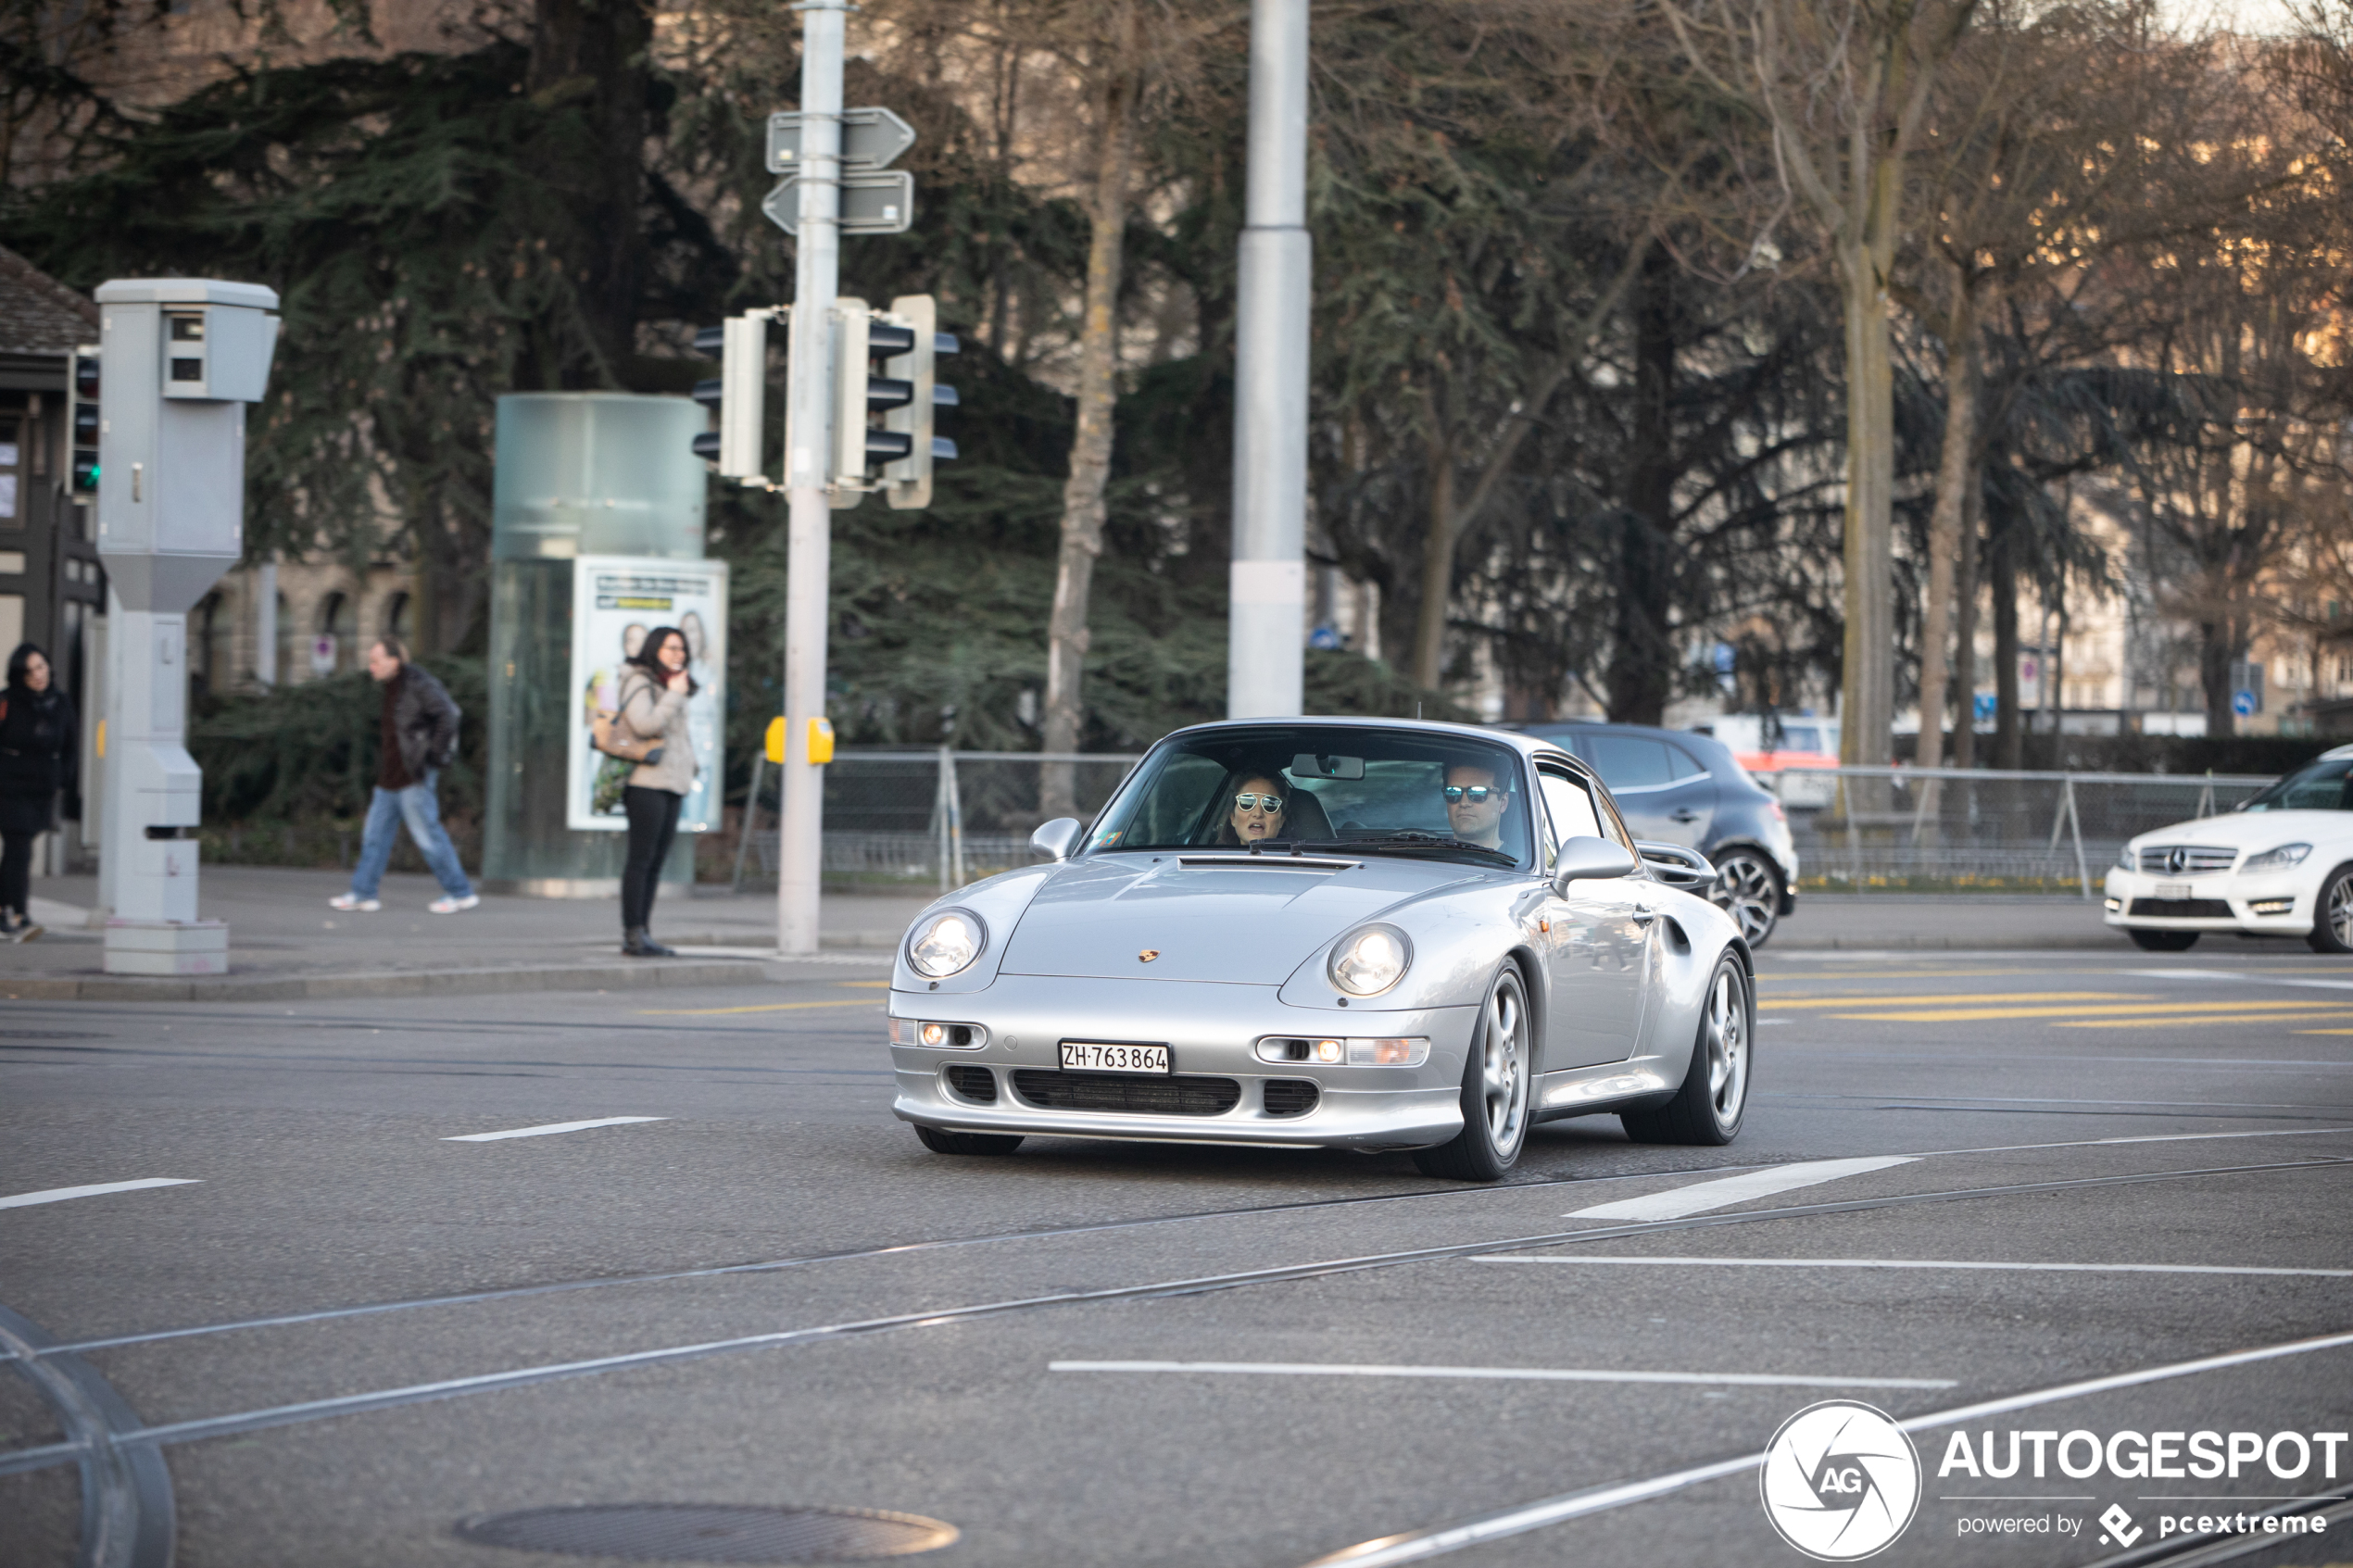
1679, 787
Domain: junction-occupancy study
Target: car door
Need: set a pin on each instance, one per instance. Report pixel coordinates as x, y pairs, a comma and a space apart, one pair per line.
1598, 940
1664, 791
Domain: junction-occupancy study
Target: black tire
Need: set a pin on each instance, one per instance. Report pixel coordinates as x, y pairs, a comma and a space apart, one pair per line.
1748, 889
1708, 1109
2333, 913
939, 1140
2161, 940
1496, 1085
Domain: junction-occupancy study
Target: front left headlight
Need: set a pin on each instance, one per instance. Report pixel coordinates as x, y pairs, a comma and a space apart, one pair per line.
1366, 963
2278, 860
946, 944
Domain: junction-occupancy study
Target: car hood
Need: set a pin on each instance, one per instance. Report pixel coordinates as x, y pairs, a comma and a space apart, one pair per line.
2257, 830
1236, 922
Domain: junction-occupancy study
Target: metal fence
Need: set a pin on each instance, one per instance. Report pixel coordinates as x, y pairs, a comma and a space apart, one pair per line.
914, 820
1898, 829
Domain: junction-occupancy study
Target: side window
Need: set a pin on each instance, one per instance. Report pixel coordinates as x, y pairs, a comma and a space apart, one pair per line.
1571, 810
1682, 764
1629, 762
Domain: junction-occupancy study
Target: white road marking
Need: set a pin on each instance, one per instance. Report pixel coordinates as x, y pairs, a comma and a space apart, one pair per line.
1913, 1264
1506, 1373
1676, 1202
1416, 1546
2240, 979
58, 1195
551, 1128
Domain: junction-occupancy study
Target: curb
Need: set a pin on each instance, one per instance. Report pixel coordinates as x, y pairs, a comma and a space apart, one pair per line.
666, 975
2073, 942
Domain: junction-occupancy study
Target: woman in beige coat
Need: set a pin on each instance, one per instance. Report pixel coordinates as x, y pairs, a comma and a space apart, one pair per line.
654, 690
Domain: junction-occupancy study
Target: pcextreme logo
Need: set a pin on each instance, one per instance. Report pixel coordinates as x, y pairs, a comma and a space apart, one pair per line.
1840, 1481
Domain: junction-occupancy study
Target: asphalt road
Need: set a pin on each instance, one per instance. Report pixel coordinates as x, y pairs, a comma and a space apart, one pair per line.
340, 1326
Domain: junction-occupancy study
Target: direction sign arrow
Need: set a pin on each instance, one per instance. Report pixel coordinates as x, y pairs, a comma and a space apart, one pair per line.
878, 203
871, 138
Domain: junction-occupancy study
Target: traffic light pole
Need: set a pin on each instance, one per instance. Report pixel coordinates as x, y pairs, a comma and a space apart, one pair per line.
807, 444
1265, 657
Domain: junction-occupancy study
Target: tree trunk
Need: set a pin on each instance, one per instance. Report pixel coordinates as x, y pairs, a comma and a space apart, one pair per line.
2217, 650
1438, 560
1642, 654
2002, 575
1867, 703
594, 53
1954, 472
1965, 624
1083, 511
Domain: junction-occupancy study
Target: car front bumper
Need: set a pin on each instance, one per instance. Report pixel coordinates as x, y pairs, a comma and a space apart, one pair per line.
1211, 1032
2265, 904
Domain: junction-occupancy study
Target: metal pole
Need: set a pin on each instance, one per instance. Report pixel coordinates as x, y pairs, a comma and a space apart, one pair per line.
955, 820
1266, 635
808, 394
2075, 827
939, 826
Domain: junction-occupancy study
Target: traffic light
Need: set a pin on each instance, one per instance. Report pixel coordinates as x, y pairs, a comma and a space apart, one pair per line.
740, 394
82, 422
906, 340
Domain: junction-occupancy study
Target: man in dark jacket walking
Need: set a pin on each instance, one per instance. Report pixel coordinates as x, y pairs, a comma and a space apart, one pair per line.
420, 737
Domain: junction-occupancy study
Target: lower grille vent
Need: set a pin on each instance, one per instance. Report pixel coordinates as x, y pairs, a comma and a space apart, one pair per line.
1290, 1096
1142, 1095
973, 1082
2183, 908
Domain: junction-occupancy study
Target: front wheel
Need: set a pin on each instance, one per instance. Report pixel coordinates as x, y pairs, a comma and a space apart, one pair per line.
2162, 941
1748, 889
2332, 914
939, 1140
1495, 1084
1708, 1107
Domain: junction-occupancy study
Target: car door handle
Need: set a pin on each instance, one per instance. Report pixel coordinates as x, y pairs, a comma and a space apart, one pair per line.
1684, 815
1643, 917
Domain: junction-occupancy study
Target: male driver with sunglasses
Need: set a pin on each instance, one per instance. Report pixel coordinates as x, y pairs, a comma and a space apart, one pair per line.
1476, 801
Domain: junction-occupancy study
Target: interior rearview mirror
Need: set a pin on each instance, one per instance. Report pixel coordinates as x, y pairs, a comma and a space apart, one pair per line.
1055, 838
1585, 857
1307, 765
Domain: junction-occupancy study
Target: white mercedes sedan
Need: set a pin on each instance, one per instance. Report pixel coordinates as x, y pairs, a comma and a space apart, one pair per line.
2281, 865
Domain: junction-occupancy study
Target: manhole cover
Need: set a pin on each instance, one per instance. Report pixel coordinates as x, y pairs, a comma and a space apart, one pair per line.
689, 1532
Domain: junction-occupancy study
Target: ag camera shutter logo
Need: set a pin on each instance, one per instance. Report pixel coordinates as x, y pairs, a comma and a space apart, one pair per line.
1841, 1481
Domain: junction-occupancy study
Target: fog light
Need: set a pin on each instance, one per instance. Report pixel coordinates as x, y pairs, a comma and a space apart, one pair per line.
2272, 905
934, 1035
1329, 1050
1387, 1053
2114, 905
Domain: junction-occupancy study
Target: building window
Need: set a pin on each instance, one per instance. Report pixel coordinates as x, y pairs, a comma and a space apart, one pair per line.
12, 432
331, 650
397, 617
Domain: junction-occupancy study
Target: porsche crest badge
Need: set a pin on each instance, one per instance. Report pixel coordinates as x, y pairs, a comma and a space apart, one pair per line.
1148, 954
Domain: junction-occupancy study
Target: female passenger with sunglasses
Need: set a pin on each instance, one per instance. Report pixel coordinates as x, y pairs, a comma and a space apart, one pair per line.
1255, 809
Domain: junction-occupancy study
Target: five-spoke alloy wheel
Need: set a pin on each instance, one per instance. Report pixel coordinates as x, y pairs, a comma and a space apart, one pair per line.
2332, 914
1495, 1089
1708, 1107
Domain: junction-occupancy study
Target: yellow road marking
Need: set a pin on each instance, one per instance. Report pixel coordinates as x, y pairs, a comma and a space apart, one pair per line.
1860, 998
1956, 1015
2322, 1031
2159, 1022
764, 1007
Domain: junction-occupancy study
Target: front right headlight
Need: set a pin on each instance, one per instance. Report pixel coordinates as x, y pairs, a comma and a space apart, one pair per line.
946, 943
2278, 860
2126, 861
1367, 963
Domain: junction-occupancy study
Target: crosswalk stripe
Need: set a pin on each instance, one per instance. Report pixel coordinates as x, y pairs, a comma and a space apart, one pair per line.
1699, 1196
1518, 1375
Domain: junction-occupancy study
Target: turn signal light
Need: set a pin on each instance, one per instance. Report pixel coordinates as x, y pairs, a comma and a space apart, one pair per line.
940, 1037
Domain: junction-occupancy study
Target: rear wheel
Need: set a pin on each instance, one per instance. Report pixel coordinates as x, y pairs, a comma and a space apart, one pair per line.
2332, 914
939, 1140
1748, 889
1494, 1090
1708, 1107
2163, 941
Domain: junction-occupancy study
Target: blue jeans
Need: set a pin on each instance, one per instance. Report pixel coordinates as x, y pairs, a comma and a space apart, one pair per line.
423, 813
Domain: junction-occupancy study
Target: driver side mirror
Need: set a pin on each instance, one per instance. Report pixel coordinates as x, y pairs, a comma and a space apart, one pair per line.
1584, 856
1055, 839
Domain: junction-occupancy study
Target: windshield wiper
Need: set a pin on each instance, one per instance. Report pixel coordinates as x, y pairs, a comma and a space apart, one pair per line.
1411, 839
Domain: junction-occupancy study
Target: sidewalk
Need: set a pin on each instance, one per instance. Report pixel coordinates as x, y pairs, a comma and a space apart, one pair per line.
1971, 921
285, 943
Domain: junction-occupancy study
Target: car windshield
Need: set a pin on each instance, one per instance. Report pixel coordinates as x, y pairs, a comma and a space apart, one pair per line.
2322, 785
1305, 786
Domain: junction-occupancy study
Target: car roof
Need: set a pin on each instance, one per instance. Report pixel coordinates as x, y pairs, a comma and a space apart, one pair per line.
2334, 753
1718, 754
1527, 744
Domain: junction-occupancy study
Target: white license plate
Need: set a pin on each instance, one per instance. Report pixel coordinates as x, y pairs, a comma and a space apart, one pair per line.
2172, 889
1084, 1056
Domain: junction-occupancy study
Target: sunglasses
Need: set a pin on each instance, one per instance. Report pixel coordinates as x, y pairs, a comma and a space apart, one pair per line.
1258, 803
1476, 793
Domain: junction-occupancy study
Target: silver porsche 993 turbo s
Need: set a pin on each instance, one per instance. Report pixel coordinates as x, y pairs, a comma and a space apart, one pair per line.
1352, 933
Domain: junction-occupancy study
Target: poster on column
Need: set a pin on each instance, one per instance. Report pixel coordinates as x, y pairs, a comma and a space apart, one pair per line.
617, 603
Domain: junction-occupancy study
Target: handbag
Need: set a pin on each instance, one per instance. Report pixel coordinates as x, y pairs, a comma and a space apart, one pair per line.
611, 734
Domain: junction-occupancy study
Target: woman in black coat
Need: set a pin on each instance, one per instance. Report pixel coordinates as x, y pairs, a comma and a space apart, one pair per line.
39, 750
